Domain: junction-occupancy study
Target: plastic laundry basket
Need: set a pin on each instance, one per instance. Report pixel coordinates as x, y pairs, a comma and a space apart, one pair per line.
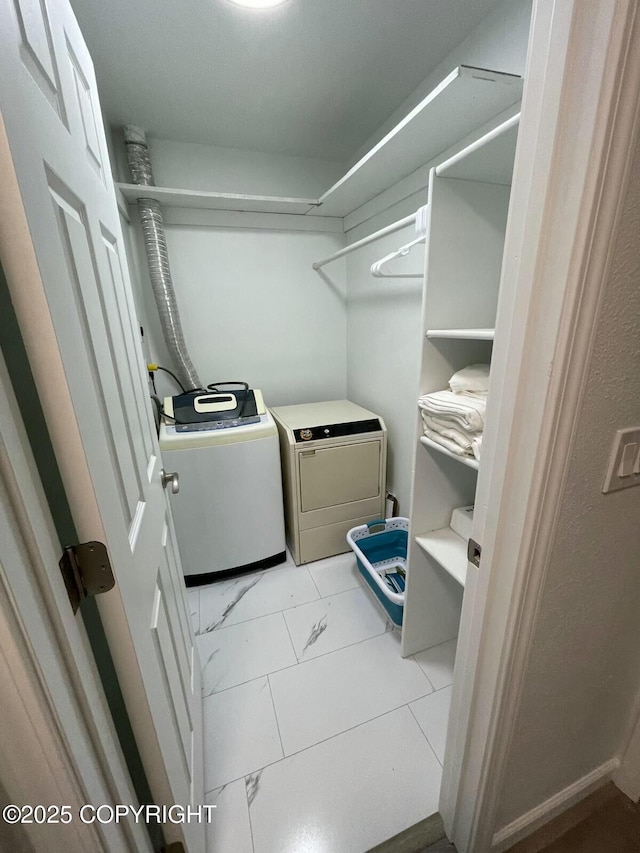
381, 552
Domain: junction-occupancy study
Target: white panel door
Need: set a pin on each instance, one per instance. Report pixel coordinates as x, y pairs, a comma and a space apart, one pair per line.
64, 258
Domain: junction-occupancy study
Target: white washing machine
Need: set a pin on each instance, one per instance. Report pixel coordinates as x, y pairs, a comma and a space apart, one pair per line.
334, 458
229, 511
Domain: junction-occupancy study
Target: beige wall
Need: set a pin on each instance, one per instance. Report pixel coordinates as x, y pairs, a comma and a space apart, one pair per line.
584, 670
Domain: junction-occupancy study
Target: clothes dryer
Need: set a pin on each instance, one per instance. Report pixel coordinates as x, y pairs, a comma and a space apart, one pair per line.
334, 457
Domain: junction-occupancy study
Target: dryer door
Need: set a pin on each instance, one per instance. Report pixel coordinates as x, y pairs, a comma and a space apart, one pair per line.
331, 476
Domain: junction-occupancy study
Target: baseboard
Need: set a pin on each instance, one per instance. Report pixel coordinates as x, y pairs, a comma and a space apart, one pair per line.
546, 811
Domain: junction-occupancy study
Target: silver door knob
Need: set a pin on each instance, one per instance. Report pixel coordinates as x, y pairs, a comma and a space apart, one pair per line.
173, 478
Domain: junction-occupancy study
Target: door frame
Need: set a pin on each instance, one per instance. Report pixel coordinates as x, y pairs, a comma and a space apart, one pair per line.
56, 707
579, 125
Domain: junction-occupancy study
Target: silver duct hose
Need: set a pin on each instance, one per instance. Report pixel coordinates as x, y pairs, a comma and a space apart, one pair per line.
158, 258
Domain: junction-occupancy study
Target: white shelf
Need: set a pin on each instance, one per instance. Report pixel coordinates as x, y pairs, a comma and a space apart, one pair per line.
463, 334
170, 197
465, 100
448, 549
469, 461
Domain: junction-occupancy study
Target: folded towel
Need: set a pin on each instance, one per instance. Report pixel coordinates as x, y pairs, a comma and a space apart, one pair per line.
475, 377
477, 447
421, 221
466, 411
450, 445
448, 430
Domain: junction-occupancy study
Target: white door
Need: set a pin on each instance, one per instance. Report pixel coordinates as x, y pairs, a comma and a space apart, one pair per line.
64, 259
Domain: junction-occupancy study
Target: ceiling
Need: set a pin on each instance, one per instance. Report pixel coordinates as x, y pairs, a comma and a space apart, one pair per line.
312, 78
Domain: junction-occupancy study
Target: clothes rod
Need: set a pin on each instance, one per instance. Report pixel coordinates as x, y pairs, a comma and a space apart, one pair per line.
478, 144
390, 229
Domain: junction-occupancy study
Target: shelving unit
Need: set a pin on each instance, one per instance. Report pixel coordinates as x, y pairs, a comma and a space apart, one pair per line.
464, 101
469, 200
464, 460
462, 334
448, 549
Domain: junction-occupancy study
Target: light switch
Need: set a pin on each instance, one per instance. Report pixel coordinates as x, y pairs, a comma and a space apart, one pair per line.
624, 461
628, 458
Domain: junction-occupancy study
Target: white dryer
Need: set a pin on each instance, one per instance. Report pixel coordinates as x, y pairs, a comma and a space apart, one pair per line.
229, 513
334, 458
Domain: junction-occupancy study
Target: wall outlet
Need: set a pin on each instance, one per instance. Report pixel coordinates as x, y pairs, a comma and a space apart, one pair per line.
624, 461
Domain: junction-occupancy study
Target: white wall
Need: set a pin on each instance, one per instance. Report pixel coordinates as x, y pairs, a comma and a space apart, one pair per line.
384, 315
383, 350
251, 306
584, 671
209, 168
253, 309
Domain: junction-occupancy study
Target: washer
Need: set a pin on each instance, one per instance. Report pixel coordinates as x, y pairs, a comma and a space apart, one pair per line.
334, 458
229, 512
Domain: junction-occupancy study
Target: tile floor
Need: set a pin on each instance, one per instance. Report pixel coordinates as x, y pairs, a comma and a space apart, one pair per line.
319, 737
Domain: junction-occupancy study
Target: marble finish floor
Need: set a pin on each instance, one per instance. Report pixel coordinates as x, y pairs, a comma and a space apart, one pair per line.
318, 736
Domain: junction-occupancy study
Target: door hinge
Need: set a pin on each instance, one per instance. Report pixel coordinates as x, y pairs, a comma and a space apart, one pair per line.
86, 571
474, 552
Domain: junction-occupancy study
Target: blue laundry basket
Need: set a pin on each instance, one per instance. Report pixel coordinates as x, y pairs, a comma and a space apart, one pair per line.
381, 553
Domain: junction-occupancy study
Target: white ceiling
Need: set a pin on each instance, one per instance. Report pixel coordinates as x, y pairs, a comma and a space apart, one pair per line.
312, 77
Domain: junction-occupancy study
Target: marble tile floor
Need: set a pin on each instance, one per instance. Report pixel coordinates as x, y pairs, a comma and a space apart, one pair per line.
318, 736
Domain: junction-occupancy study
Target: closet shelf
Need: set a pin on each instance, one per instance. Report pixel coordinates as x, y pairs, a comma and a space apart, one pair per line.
465, 100
171, 197
463, 334
448, 549
462, 102
464, 460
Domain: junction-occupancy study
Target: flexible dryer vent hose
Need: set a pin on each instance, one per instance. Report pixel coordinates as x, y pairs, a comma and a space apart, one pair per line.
158, 257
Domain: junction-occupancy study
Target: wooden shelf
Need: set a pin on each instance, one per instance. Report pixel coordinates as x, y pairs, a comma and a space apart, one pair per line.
469, 461
465, 100
463, 334
448, 549
170, 197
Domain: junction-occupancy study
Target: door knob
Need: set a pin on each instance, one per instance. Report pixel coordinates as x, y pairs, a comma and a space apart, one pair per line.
173, 478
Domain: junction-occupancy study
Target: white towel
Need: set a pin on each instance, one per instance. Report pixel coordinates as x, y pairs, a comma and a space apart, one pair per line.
446, 442
475, 378
463, 439
421, 221
465, 411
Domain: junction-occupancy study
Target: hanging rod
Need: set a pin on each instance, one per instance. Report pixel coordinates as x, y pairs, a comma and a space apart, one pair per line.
442, 168
389, 229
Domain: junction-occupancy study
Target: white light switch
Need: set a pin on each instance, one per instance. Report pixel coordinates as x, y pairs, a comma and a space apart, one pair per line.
624, 461
628, 458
